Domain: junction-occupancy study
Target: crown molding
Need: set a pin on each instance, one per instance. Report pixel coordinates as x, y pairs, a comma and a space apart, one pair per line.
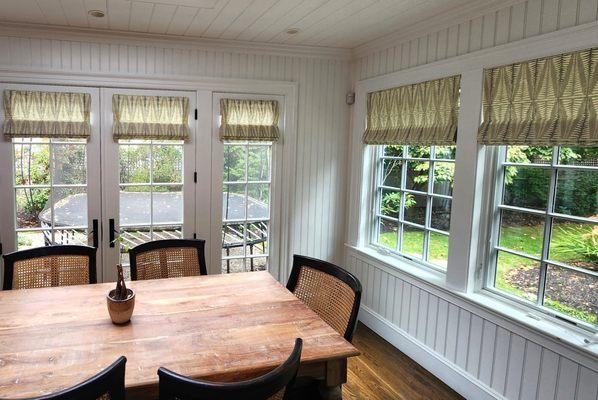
442, 21
183, 42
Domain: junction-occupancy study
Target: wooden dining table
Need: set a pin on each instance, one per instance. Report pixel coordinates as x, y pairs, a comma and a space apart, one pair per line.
221, 327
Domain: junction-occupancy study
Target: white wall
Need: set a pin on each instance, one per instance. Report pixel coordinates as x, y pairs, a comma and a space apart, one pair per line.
479, 353
318, 199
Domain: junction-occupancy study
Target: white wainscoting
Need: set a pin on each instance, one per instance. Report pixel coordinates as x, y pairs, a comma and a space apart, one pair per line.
478, 356
511, 23
317, 200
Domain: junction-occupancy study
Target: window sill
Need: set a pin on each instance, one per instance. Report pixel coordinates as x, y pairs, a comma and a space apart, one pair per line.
544, 325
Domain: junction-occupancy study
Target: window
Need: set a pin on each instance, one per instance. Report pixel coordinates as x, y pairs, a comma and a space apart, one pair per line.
50, 191
151, 192
545, 229
246, 206
412, 210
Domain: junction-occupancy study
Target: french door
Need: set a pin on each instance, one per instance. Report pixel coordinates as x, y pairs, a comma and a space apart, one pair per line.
147, 186
50, 188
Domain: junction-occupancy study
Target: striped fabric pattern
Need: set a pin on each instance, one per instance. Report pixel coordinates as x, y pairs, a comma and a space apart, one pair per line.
248, 119
46, 114
424, 113
150, 117
544, 102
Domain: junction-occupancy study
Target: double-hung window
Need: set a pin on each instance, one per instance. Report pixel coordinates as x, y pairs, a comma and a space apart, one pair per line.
544, 221
413, 129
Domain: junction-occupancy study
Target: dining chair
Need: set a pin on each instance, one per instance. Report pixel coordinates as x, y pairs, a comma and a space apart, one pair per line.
170, 258
332, 292
50, 266
271, 386
107, 385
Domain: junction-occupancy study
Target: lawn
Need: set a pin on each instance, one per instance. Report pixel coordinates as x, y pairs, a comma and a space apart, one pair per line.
518, 275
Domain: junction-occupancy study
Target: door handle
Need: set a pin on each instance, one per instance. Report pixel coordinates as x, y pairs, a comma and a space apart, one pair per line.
112, 231
95, 233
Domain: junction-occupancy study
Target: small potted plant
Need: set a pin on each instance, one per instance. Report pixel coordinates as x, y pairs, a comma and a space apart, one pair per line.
121, 301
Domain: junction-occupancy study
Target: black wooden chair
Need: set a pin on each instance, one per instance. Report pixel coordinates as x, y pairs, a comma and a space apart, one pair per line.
107, 385
332, 293
169, 258
50, 266
271, 386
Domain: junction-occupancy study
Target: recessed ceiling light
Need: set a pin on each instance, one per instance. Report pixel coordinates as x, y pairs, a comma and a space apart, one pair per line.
292, 31
96, 13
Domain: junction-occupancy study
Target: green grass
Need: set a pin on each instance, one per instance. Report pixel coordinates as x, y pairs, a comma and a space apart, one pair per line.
525, 239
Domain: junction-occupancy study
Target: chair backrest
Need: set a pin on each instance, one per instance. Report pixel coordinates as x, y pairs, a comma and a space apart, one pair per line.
270, 386
107, 385
50, 266
332, 292
169, 258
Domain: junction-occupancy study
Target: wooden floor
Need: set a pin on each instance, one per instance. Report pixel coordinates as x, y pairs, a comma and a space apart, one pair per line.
383, 372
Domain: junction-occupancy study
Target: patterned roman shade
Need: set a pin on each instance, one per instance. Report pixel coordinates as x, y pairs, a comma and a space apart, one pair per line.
548, 101
150, 117
46, 114
244, 119
425, 113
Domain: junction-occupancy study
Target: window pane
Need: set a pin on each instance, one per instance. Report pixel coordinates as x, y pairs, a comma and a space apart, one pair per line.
134, 236
233, 201
258, 201
441, 214
518, 276
391, 203
167, 202
233, 265
134, 163
572, 293
134, 206
232, 240
31, 239
413, 241
69, 162
257, 238
586, 156
438, 249
529, 154
393, 151
32, 164
66, 236
70, 206
168, 163
521, 232
417, 175
527, 187
392, 172
257, 263
415, 208
33, 208
575, 244
446, 152
577, 193
258, 163
419, 151
387, 233
170, 232
234, 163
443, 178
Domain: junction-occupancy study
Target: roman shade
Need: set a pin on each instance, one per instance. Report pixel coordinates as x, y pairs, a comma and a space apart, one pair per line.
46, 114
245, 119
150, 117
543, 102
424, 113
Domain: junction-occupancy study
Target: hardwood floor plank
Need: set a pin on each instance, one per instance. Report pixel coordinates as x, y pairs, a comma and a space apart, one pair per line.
383, 372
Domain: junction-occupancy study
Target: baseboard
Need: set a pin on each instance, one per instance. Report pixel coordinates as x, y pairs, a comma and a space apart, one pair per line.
447, 372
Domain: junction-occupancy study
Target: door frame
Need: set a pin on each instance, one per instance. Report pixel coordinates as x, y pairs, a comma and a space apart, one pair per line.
7, 211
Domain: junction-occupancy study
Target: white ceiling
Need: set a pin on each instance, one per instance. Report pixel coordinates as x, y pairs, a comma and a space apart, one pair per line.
329, 23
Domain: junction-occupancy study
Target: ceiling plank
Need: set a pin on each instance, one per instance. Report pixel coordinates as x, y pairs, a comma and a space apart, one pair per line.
118, 14
204, 18
141, 15
182, 20
226, 17
161, 18
75, 12
53, 13
257, 9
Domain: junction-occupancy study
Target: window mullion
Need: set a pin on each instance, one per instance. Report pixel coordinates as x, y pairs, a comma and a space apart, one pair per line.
428, 215
400, 226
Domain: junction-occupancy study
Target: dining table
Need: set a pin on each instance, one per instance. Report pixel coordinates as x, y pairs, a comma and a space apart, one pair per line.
224, 328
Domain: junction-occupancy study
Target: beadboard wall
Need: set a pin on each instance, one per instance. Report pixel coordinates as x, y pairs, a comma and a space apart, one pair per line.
518, 21
480, 354
318, 205
476, 352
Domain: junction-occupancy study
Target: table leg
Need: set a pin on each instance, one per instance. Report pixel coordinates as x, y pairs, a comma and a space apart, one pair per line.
336, 375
